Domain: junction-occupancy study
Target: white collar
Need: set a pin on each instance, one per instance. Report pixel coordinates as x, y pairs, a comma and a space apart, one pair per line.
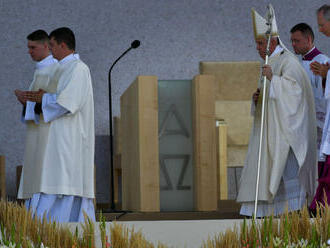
277, 50
49, 60
72, 56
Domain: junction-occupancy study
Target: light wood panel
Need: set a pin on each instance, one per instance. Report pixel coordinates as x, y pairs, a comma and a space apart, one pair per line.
221, 131
237, 115
140, 162
205, 171
235, 81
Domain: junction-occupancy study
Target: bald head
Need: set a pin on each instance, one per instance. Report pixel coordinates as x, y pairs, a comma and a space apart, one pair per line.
323, 19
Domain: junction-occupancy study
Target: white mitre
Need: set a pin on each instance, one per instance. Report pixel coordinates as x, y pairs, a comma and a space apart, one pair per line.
261, 25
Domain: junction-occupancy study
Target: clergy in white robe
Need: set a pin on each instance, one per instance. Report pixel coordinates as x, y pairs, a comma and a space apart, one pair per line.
318, 90
58, 178
322, 194
288, 156
322, 69
302, 40
36, 129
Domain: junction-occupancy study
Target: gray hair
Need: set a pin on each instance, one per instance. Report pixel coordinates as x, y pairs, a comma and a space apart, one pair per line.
325, 10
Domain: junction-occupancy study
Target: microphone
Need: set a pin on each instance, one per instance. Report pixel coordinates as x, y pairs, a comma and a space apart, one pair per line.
135, 44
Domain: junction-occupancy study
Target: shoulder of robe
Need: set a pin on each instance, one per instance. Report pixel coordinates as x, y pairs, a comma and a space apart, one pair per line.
290, 60
291, 65
80, 65
323, 57
47, 69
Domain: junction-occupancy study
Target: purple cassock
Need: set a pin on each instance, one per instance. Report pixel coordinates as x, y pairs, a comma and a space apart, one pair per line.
322, 194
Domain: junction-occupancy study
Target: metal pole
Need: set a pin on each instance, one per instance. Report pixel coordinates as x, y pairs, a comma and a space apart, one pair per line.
270, 16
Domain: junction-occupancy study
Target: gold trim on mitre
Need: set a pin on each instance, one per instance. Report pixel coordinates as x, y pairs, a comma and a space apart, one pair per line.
260, 26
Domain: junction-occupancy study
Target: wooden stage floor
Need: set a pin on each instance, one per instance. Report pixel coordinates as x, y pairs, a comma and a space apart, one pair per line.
228, 209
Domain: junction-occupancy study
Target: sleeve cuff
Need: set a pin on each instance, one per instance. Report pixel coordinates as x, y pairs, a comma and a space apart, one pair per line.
51, 109
30, 114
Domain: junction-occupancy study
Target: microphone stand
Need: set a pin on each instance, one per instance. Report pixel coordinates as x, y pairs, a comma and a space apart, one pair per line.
134, 45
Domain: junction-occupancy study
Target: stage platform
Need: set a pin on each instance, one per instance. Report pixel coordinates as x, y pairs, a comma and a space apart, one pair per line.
229, 210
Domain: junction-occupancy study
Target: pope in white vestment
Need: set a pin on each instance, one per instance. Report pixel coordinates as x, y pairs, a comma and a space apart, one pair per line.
288, 156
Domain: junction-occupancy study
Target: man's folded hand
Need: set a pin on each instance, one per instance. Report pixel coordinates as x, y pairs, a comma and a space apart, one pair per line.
20, 97
319, 69
34, 96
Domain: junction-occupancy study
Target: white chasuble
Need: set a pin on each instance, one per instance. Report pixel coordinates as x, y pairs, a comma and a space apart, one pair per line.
289, 124
65, 162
